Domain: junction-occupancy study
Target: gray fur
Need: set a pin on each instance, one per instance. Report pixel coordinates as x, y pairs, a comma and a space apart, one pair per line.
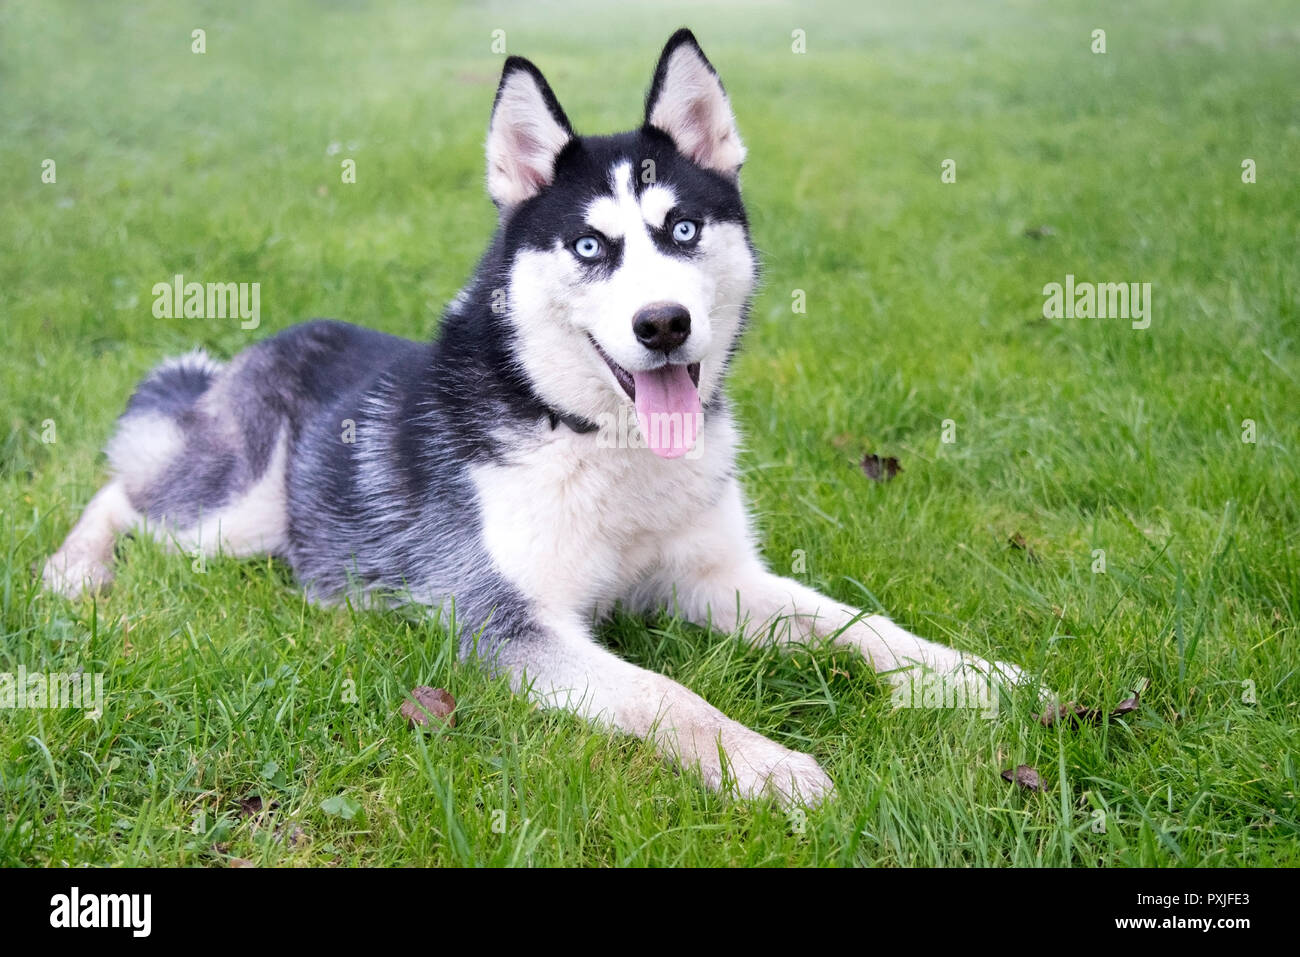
366, 519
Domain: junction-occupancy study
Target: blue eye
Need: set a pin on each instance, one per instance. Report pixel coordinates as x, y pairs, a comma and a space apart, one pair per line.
685, 230
588, 247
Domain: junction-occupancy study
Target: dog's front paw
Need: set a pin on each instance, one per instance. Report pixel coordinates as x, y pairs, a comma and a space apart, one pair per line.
768, 769
73, 577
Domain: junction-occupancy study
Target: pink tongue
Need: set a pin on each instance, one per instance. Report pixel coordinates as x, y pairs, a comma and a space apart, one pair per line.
668, 410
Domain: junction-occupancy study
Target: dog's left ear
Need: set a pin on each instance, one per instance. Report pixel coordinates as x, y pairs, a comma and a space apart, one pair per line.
687, 102
526, 134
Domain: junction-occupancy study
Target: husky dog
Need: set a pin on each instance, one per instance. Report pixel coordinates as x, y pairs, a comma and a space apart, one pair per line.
563, 447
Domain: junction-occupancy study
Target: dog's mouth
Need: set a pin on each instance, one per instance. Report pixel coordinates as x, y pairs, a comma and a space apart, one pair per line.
628, 380
667, 401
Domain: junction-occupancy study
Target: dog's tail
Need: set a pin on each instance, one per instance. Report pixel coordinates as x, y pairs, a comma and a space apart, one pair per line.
151, 433
173, 386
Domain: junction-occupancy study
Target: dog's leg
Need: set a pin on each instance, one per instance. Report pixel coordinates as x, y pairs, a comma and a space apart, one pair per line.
715, 577
84, 561
564, 668
750, 600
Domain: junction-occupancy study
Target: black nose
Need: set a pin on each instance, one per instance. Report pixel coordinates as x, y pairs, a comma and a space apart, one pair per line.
662, 326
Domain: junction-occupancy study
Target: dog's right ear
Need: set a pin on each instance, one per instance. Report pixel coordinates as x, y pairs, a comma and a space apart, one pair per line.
527, 132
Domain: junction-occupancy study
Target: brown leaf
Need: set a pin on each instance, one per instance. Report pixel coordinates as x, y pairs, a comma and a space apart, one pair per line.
1131, 704
251, 805
1017, 541
880, 469
1026, 777
1076, 714
1126, 706
258, 811
429, 702
241, 862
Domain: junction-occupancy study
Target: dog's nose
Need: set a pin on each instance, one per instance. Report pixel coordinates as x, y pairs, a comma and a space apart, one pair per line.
662, 326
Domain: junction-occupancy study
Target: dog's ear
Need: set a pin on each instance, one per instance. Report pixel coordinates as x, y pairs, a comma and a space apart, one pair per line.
527, 132
687, 102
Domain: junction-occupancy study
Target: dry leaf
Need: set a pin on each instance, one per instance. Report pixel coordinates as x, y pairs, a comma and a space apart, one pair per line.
1131, 704
252, 805
256, 810
880, 469
1125, 706
1077, 714
1017, 541
430, 702
1026, 777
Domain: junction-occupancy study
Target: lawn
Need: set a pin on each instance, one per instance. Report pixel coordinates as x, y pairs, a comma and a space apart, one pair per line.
1148, 476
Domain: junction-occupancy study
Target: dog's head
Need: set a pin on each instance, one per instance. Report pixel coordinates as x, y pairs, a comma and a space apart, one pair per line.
629, 266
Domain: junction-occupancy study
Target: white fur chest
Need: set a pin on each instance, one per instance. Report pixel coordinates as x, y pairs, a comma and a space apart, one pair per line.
576, 524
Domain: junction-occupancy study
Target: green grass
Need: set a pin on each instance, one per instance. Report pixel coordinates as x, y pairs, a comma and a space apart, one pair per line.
924, 304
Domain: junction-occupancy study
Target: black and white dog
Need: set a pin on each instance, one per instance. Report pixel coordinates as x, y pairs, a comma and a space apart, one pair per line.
564, 446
